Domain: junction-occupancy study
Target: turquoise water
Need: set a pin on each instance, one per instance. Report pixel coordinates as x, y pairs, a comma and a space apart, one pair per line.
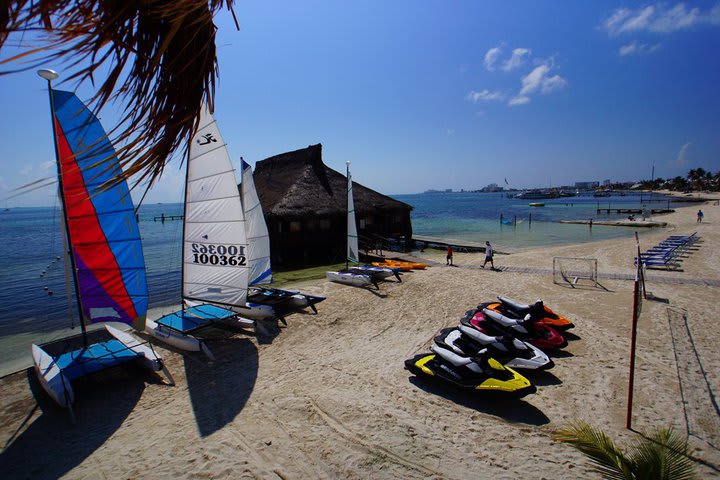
34, 301
475, 217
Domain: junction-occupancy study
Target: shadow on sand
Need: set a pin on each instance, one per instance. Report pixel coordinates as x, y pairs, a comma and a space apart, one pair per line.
219, 390
50, 445
511, 409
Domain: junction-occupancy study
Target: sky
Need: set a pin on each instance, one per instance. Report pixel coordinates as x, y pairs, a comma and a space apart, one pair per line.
427, 94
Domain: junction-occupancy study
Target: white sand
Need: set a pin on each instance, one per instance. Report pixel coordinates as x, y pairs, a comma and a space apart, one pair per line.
329, 397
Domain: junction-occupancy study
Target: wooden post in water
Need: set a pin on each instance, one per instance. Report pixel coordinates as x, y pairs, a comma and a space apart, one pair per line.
529, 220
501, 218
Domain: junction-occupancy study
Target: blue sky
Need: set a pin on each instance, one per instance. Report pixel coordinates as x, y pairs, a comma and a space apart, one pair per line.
431, 94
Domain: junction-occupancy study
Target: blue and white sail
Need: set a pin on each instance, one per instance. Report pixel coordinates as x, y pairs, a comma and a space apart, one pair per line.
257, 232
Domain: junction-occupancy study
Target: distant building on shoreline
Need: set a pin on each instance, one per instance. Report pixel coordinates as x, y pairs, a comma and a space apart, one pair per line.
305, 207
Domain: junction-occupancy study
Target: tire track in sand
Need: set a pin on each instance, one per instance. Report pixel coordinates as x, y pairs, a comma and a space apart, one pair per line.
343, 431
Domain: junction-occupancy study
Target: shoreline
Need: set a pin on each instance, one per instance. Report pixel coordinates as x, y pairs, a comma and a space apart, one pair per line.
328, 397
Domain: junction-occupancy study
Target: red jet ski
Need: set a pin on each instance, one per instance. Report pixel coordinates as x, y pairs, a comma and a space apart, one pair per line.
535, 333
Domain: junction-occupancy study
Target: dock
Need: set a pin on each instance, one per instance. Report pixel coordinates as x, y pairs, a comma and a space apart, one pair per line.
639, 211
164, 217
618, 223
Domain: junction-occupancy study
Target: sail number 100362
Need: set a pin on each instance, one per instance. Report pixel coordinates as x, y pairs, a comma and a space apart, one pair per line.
210, 254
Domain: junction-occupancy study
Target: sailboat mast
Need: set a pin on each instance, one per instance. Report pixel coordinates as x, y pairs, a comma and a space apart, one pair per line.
51, 75
184, 222
347, 213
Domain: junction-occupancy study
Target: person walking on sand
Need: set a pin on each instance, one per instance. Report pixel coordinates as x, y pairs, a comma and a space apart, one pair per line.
448, 260
700, 216
488, 255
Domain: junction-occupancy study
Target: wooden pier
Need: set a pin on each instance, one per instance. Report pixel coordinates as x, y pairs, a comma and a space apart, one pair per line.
654, 211
164, 217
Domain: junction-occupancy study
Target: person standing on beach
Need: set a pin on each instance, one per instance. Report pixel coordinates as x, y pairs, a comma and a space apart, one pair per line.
700, 216
448, 260
488, 255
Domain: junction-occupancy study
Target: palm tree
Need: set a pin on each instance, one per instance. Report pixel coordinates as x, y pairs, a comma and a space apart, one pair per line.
159, 55
659, 456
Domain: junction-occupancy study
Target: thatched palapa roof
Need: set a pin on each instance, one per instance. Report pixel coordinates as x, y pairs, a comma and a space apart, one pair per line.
299, 184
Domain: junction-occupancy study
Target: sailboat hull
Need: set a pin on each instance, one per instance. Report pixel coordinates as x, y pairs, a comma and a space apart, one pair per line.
348, 278
173, 338
51, 378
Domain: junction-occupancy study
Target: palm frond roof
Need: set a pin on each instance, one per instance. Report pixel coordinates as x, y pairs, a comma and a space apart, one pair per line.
299, 184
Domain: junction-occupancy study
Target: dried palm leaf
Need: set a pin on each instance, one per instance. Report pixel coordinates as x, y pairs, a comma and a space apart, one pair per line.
157, 58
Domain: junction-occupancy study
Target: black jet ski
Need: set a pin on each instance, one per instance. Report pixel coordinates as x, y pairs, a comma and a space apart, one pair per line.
538, 311
505, 349
480, 373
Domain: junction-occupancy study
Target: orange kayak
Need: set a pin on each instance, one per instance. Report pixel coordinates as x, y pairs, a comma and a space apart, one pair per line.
415, 265
404, 268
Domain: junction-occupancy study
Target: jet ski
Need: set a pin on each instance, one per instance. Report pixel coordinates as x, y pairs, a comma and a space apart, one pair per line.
480, 373
535, 333
537, 311
505, 349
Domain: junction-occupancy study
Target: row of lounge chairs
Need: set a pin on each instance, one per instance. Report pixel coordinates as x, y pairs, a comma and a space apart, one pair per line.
670, 252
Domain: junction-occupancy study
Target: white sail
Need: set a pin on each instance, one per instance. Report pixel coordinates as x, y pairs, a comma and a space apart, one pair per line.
257, 232
352, 236
215, 249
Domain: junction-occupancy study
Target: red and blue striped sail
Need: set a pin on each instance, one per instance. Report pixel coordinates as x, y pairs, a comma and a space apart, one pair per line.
101, 222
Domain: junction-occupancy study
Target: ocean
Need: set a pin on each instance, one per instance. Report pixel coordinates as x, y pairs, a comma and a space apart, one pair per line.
35, 303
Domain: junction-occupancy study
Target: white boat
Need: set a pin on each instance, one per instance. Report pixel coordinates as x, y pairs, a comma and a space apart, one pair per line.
345, 276
104, 252
282, 301
215, 248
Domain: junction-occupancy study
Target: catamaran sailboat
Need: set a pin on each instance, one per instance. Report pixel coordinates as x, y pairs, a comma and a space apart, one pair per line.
356, 276
282, 301
215, 248
104, 251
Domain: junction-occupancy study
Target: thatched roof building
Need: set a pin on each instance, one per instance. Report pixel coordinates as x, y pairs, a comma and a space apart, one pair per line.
305, 206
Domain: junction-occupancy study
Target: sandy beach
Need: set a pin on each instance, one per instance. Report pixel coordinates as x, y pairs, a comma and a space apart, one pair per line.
328, 395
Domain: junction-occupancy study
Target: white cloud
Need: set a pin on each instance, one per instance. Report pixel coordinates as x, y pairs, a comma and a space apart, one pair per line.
538, 81
550, 84
684, 153
26, 170
491, 56
517, 59
533, 80
519, 100
636, 48
659, 18
484, 96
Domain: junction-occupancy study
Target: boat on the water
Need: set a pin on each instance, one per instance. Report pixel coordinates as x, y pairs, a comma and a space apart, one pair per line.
536, 204
104, 252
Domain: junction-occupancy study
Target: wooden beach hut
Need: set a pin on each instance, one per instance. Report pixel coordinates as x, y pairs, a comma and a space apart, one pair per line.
305, 207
